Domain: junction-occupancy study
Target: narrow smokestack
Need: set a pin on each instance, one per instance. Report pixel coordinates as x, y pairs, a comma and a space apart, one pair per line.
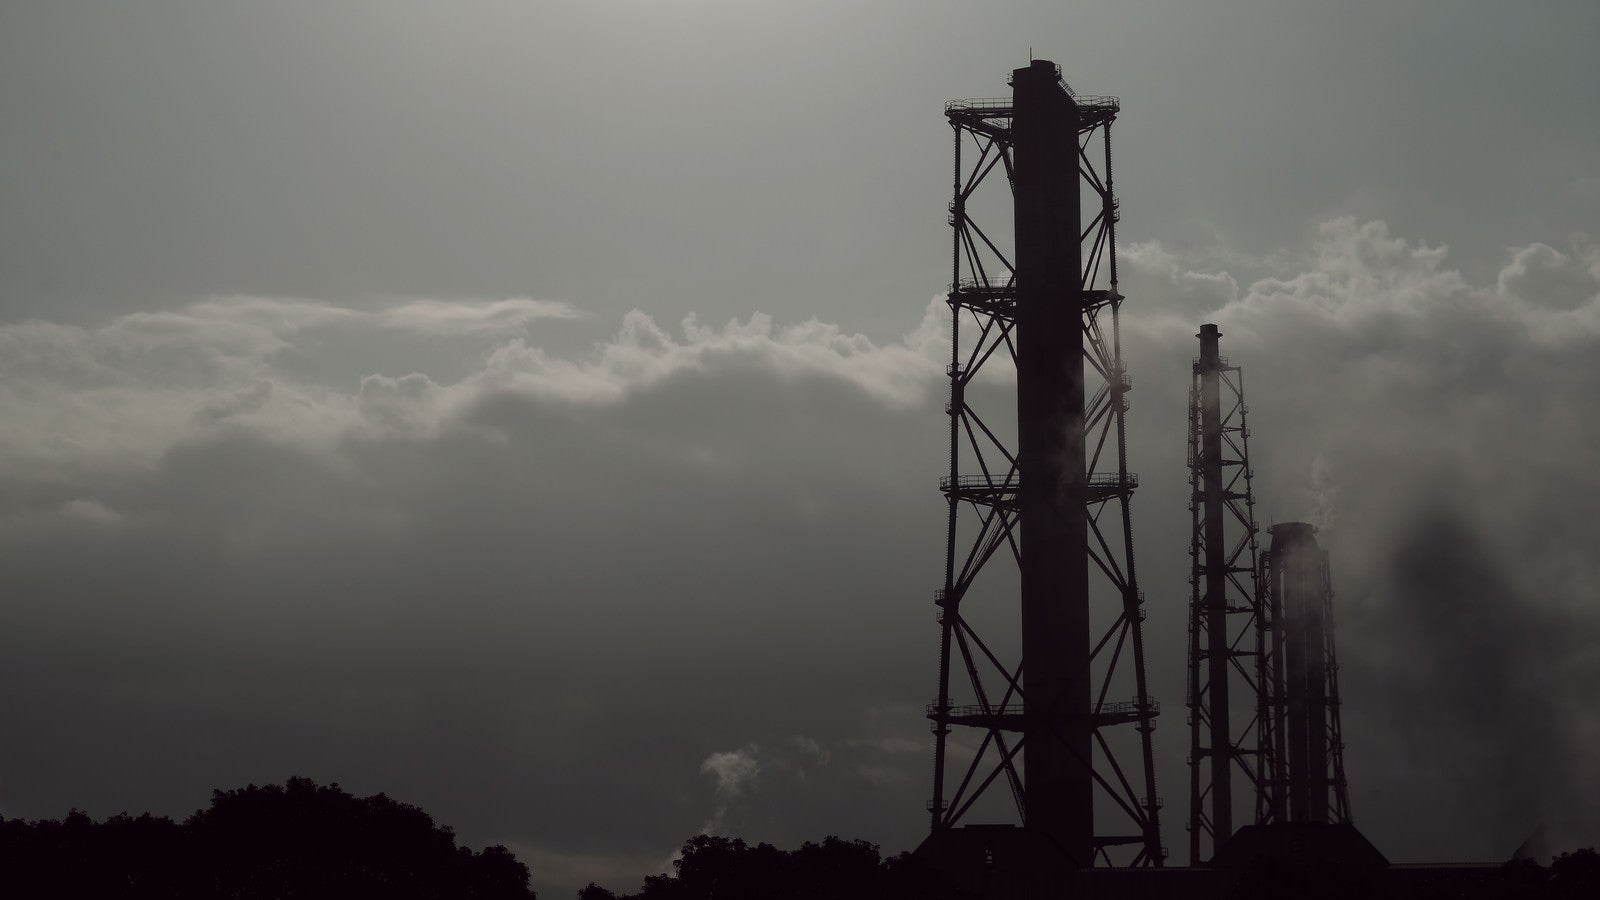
1058, 742
1311, 770
1213, 611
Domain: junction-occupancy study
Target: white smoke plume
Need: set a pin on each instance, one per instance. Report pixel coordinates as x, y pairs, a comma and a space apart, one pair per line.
735, 772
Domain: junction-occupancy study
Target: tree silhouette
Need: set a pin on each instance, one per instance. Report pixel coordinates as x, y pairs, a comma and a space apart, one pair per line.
711, 867
298, 840
1576, 874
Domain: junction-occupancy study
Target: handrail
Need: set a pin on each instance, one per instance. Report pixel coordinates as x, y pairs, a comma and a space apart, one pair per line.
1009, 483
1003, 104
981, 103
1110, 707
1012, 481
987, 284
1098, 101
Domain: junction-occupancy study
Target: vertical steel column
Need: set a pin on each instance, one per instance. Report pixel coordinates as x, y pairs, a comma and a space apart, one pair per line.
941, 727
1335, 730
1215, 603
1280, 708
1132, 597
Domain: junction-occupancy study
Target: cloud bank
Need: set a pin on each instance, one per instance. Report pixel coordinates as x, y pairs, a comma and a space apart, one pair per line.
542, 592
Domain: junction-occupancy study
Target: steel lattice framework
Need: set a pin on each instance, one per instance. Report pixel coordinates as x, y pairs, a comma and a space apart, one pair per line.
1230, 661
1090, 781
1304, 780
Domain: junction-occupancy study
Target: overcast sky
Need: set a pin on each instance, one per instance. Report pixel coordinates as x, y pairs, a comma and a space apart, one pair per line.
533, 410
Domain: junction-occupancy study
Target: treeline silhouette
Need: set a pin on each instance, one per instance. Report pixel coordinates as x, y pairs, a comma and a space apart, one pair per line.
307, 841
297, 840
722, 868
1570, 875
726, 868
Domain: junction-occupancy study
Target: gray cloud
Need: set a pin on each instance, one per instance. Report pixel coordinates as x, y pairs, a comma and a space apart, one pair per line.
127, 391
539, 596
451, 591
446, 318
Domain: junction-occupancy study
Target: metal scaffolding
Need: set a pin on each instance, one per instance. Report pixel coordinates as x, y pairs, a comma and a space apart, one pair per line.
1053, 499
1230, 661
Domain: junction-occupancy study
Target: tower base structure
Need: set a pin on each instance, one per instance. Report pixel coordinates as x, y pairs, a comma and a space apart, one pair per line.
999, 861
1291, 859
1303, 860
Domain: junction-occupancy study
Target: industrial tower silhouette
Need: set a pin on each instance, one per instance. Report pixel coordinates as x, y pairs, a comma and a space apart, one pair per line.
1065, 726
